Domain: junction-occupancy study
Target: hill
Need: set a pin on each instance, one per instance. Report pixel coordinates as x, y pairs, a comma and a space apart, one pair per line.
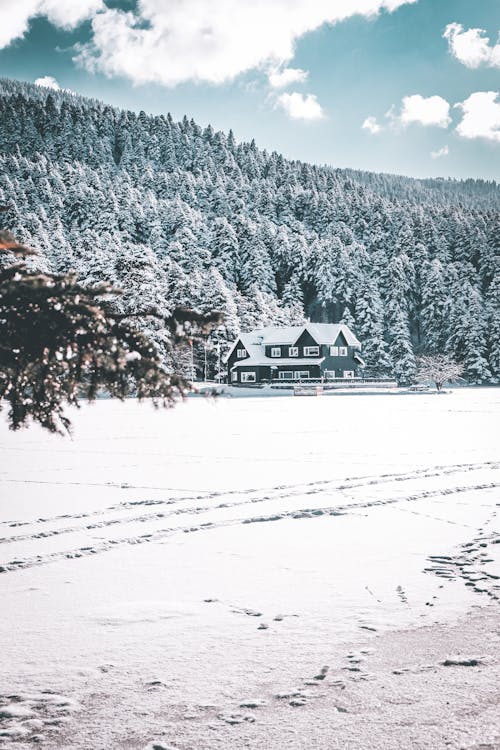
176, 214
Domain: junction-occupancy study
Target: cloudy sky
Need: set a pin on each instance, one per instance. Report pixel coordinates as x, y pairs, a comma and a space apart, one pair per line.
404, 86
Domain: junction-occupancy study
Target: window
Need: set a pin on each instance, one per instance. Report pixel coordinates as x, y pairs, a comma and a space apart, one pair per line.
285, 375
248, 377
293, 351
301, 374
334, 351
348, 374
342, 351
276, 351
234, 376
330, 374
241, 353
311, 351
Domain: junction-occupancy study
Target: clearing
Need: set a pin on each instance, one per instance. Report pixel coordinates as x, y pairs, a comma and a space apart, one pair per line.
255, 573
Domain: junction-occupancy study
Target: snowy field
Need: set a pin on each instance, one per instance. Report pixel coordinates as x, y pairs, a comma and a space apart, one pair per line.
224, 575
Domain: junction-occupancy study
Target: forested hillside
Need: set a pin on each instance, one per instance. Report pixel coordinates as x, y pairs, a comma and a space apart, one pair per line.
176, 214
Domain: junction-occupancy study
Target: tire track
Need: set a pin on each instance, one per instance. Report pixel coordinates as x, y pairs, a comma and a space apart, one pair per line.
279, 490
301, 514
314, 488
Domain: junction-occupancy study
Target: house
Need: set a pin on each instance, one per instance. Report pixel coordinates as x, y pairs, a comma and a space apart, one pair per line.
320, 351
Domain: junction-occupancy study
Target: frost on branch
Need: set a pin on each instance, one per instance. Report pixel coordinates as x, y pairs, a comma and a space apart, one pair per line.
60, 341
439, 369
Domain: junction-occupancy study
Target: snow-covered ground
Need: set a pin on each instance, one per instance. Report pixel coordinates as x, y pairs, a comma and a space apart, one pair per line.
182, 577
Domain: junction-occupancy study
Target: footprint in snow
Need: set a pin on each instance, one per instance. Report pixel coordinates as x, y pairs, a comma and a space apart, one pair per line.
322, 673
252, 704
237, 718
460, 661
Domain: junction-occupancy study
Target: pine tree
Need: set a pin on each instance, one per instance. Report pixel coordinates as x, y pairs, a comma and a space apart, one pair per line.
370, 330
435, 307
468, 328
400, 348
59, 342
493, 322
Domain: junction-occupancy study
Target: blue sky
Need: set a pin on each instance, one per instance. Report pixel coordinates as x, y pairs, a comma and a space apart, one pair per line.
301, 77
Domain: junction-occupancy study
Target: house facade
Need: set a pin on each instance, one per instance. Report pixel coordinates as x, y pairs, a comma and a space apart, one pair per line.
313, 351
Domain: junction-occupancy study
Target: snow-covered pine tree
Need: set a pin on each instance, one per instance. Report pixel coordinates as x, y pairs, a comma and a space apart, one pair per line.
370, 330
467, 342
103, 180
493, 330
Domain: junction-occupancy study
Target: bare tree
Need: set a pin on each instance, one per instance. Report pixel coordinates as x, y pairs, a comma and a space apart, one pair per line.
439, 369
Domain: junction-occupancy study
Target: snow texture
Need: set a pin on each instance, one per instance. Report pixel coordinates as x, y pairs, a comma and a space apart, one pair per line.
184, 579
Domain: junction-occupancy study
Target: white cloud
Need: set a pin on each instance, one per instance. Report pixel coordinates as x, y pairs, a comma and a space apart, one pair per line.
49, 82
278, 79
431, 110
440, 152
301, 106
16, 14
371, 125
209, 40
481, 116
472, 47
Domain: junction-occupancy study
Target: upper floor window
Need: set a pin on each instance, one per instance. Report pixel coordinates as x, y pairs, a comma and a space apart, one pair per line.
311, 351
293, 351
276, 351
342, 351
334, 351
240, 353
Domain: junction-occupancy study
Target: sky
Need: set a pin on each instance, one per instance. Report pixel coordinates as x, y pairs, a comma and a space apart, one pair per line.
402, 86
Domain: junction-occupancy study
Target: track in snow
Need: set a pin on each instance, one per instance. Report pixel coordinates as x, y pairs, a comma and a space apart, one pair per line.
226, 508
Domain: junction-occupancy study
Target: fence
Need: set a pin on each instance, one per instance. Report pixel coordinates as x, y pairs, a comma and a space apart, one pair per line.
318, 383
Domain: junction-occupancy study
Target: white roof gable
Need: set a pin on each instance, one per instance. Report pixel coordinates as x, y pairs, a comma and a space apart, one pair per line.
327, 333
279, 335
323, 333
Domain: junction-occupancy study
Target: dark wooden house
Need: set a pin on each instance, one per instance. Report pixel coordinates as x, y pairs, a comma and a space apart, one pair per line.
317, 351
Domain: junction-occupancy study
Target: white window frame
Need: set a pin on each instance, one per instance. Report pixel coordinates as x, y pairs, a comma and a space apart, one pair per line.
348, 374
342, 351
301, 375
293, 351
334, 351
285, 375
329, 374
234, 376
309, 353
248, 377
241, 353
276, 351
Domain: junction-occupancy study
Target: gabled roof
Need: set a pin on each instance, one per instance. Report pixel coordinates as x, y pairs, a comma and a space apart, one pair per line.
322, 333
279, 335
327, 333
252, 344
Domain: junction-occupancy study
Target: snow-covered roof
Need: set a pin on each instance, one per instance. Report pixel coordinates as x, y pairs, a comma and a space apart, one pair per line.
327, 333
261, 359
279, 335
323, 333
360, 360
